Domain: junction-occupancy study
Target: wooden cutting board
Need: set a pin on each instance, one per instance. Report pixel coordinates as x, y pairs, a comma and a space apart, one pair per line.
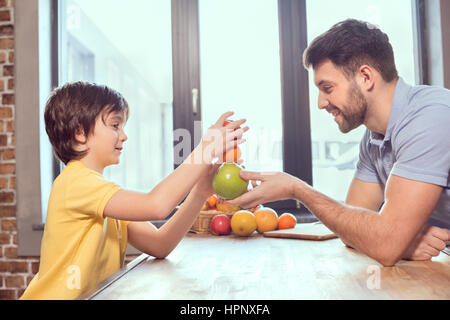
308, 231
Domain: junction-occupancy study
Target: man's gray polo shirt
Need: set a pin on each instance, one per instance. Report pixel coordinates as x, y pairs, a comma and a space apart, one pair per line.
416, 145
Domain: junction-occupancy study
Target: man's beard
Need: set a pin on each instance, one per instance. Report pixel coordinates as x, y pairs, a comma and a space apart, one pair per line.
355, 111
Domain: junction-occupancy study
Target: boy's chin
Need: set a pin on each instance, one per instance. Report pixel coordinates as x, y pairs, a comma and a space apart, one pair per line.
114, 162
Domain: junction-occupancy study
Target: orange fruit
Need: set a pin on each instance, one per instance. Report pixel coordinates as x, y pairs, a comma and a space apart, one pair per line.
227, 122
232, 155
243, 223
287, 221
212, 200
266, 219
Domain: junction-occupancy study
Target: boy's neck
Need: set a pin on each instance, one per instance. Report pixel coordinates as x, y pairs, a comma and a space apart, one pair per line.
90, 164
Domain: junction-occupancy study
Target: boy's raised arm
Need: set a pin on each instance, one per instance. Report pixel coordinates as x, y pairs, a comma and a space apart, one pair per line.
159, 202
160, 242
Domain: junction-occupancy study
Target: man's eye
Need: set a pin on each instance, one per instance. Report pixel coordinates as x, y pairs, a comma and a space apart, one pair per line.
116, 126
327, 89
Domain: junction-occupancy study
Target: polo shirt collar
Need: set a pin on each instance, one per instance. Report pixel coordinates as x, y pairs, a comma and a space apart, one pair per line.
398, 102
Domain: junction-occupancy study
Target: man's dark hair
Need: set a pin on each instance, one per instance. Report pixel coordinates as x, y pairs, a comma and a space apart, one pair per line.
75, 106
350, 44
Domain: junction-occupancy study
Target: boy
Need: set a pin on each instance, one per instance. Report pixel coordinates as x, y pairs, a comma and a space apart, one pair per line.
90, 220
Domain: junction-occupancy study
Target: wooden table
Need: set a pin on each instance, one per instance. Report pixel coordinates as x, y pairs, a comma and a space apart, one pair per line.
259, 268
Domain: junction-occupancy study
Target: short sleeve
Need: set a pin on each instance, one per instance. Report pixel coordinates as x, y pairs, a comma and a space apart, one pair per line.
365, 170
422, 146
125, 223
89, 193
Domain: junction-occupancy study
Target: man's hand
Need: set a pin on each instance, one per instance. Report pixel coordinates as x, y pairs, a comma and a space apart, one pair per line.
272, 186
427, 244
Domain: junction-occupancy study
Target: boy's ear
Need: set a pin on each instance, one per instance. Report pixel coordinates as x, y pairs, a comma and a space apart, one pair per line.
80, 137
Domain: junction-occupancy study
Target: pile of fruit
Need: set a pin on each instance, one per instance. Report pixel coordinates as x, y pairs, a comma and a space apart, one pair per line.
244, 222
227, 184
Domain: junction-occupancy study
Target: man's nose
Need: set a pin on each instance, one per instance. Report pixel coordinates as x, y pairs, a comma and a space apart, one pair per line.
322, 102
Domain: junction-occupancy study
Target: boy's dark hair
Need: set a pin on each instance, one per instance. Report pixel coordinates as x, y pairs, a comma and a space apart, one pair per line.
350, 44
74, 107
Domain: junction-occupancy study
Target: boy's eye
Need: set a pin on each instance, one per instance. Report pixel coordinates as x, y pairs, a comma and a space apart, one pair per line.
116, 126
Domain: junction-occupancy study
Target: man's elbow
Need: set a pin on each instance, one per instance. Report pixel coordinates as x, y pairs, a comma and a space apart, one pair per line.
388, 261
386, 257
389, 258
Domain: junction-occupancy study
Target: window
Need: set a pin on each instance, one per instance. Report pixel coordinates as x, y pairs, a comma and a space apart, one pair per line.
132, 54
77, 41
240, 71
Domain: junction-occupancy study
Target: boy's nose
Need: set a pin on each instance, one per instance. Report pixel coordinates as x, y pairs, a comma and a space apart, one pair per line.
123, 137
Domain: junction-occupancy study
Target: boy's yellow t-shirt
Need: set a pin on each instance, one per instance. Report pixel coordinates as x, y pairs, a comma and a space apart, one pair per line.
79, 247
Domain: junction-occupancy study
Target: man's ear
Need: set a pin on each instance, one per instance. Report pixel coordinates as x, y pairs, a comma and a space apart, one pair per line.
366, 78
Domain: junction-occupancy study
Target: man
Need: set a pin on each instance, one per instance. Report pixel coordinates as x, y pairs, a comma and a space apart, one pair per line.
398, 204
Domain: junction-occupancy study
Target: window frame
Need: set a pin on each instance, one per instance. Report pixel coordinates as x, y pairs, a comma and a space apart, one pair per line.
432, 22
27, 87
186, 69
297, 153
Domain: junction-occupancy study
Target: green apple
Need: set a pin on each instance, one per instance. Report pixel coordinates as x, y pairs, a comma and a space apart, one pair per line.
227, 183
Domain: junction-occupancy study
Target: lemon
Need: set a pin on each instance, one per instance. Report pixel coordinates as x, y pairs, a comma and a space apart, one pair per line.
243, 223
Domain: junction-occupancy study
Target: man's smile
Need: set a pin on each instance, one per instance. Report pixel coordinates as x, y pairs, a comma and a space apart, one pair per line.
334, 111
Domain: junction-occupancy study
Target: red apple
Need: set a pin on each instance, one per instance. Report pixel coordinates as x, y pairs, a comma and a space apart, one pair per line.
220, 224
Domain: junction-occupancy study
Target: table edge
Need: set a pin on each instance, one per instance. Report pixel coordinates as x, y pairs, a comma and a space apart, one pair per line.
90, 294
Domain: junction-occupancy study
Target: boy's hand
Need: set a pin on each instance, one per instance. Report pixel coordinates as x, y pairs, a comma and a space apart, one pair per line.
204, 186
219, 139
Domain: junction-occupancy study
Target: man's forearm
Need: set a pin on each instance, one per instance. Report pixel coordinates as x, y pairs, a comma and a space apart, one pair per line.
359, 228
